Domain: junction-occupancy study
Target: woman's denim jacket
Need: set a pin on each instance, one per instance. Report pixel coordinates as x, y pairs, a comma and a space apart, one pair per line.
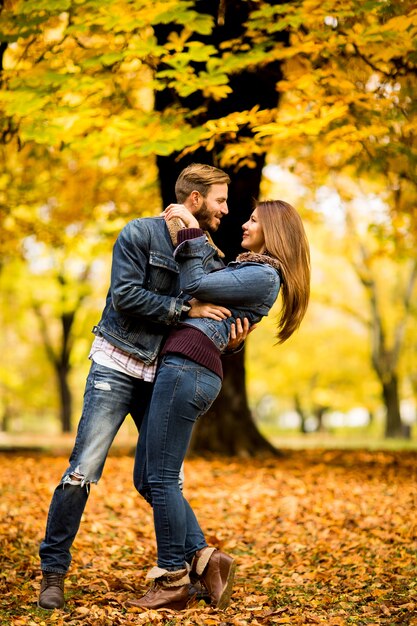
144, 298
248, 289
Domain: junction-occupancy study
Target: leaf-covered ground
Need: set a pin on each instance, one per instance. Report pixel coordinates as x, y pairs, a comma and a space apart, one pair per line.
320, 537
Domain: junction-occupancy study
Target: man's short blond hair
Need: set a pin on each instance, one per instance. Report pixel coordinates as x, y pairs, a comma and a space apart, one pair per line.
198, 177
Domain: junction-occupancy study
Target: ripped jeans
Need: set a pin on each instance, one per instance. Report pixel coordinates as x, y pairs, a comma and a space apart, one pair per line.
109, 397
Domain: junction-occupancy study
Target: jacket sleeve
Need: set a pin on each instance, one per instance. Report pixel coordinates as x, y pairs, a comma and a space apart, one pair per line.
248, 284
130, 263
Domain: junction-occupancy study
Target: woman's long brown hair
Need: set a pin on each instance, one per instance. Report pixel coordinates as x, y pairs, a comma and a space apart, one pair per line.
286, 240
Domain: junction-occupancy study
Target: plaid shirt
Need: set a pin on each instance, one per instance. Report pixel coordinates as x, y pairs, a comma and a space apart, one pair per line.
105, 353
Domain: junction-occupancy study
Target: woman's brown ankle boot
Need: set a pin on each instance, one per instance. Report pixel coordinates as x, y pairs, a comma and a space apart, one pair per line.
170, 590
216, 570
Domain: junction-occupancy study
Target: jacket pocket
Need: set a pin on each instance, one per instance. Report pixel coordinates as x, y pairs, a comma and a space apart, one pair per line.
163, 274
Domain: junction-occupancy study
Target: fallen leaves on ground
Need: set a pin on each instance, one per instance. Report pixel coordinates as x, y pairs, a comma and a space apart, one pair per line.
320, 537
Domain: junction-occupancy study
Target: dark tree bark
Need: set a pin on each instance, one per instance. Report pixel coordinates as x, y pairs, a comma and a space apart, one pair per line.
319, 413
301, 412
6, 419
65, 396
228, 428
393, 424
63, 369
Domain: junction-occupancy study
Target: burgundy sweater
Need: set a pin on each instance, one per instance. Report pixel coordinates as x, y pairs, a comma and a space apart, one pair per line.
195, 345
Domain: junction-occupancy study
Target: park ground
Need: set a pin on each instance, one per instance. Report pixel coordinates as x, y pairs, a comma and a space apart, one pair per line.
320, 537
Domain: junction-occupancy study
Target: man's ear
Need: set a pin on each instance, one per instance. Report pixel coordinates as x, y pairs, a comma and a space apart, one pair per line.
194, 200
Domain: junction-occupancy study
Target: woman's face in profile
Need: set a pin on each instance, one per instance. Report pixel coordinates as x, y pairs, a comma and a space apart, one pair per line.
253, 236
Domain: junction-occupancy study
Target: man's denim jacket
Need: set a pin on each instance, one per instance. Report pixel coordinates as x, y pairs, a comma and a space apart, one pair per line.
248, 289
144, 298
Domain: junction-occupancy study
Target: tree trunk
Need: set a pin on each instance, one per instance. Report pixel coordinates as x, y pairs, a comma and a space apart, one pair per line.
319, 413
63, 368
60, 358
228, 428
393, 424
384, 359
6, 419
65, 396
301, 412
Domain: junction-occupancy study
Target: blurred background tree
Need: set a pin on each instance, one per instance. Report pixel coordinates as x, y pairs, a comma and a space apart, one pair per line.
103, 102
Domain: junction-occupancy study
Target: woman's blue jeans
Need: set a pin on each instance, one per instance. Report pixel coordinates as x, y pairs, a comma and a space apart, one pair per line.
109, 396
183, 390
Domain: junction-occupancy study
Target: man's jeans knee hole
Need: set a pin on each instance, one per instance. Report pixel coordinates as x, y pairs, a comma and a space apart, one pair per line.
77, 480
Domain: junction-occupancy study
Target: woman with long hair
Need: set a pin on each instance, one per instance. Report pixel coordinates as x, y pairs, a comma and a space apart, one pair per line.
189, 378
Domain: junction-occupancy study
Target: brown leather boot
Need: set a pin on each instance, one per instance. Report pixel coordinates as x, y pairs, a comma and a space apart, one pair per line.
170, 590
216, 570
52, 591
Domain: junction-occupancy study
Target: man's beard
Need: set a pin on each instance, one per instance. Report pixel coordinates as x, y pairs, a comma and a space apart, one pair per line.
204, 218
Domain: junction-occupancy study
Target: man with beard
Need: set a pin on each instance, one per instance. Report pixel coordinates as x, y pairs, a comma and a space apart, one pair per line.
143, 302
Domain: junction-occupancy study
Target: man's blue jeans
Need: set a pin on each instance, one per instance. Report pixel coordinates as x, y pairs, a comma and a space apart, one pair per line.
109, 397
183, 390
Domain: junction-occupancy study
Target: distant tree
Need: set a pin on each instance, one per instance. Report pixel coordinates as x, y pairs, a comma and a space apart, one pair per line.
59, 351
387, 344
